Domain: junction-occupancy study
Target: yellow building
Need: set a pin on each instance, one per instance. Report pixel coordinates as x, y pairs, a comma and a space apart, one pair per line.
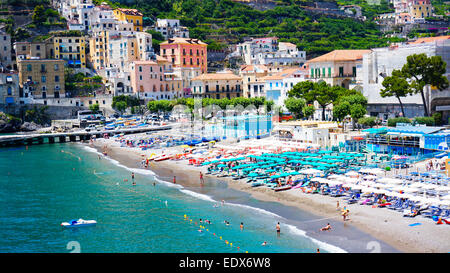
42, 78
72, 49
131, 16
218, 85
98, 50
421, 9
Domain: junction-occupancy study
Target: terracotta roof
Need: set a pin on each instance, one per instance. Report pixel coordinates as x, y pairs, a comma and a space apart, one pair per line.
179, 40
283, 74
145, 62
217, 76
430, 39
247, 68
133, 12
341, 55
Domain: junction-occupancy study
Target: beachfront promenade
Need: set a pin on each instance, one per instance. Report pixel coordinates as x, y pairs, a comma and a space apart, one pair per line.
31, 139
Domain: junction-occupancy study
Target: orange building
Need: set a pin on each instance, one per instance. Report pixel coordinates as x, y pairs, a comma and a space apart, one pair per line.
185, 52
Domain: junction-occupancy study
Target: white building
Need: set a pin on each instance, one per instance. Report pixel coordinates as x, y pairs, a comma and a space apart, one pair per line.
380, 62
277, 86
268, 51
170, 28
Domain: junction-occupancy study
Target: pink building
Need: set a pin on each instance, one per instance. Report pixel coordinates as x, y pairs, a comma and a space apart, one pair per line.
185, 52
148, 79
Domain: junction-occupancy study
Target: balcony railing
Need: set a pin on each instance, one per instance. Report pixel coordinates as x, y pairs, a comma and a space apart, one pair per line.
395, 142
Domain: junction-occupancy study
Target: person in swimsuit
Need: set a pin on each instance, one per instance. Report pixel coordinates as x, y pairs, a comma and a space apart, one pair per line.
174, 179
242, 226
278, 228
327, 227
201, 178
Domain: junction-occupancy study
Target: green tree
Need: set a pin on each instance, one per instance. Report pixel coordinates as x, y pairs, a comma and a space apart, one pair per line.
94, 107
295, 106
396, 86
39, 15
321, 92
308, 111
341, 110
357, 111
120, 106
421, 71
367, 121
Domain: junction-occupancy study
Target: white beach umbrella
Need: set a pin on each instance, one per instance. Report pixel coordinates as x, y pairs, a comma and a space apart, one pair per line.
355, 187
416, 185
446, 197
393, 194
442, 188
389, 180
352, 173
310, 171
351, 180
364, 170
429, 186
370, 177
406, 189
335, 176
379, 185
376, 171
445, 202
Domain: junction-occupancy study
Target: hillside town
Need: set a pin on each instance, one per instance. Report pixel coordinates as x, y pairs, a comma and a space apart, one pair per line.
114, 47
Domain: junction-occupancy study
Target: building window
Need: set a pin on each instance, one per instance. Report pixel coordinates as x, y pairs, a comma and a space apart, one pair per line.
56, 78
43, 79
56, 67
9, 91
29, 67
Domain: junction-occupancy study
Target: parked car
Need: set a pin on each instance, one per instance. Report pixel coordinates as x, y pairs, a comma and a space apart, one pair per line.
91, 127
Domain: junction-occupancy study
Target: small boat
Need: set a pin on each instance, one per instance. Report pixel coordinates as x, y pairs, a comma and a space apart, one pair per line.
282, 188
162, 157
79, 223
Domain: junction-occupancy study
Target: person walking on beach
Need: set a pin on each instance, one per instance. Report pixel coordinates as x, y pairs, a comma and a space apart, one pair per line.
201, 178
337, 205
132, 176
174, 179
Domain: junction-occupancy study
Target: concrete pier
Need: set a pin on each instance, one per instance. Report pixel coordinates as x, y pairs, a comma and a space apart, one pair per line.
34, 139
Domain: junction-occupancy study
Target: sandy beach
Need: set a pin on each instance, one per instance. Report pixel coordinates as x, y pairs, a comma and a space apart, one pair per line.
383, 224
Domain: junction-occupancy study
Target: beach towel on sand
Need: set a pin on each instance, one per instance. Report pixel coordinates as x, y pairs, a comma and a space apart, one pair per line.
415, 224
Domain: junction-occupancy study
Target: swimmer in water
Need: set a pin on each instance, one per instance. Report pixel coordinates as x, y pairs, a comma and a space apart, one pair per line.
264, 243
226, 222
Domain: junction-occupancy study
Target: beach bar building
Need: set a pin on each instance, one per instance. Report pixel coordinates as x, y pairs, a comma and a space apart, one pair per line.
407, 140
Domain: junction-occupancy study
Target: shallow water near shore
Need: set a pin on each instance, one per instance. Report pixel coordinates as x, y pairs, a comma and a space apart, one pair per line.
44, 185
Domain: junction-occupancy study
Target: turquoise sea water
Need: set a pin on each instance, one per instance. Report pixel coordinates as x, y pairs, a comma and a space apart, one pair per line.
44, 185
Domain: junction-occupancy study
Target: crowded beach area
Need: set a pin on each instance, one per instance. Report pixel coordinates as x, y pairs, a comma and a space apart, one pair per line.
402, 202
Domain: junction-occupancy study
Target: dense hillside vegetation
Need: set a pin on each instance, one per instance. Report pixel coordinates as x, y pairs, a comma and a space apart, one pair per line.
223, 21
